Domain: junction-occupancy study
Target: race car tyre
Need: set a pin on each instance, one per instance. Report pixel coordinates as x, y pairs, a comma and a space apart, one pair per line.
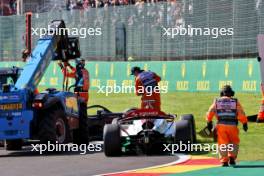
15, 144
112, 140
81, 135
190, 118
183, 133
53, 127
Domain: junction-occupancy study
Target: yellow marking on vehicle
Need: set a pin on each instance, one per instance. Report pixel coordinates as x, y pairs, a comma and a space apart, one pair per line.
15, 106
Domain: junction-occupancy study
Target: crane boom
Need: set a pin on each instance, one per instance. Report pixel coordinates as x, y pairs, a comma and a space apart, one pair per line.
53, 46
17, 116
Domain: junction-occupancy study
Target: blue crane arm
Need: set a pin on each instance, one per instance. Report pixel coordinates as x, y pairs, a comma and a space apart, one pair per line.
37, 64
16, 110
54, 46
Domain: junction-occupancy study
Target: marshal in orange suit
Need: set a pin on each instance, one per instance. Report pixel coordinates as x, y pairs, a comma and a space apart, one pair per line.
228, 112
81, 75
146, 85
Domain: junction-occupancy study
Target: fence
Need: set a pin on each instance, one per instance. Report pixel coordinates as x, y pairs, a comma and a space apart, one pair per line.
144, 26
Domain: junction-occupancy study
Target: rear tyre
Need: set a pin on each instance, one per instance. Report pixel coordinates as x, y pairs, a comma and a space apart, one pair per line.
54, 127
81, 135
112, 140
15, 144
190, 118
183, 133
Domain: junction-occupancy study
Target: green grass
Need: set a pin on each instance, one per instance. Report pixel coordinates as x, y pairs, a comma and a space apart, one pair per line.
252, 142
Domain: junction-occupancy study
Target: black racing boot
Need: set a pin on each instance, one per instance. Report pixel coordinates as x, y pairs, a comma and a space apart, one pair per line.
232, 161
225, 164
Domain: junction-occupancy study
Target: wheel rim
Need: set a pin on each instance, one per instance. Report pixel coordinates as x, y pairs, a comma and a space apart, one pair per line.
60, 130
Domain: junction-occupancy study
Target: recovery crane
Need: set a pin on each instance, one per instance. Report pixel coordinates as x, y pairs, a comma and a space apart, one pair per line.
51, 115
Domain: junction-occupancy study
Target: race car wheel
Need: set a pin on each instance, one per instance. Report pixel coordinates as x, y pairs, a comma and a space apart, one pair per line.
190, 118
183, 132
15, 144
112, 140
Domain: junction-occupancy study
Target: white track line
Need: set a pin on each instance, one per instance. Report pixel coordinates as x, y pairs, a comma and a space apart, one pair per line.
182, 159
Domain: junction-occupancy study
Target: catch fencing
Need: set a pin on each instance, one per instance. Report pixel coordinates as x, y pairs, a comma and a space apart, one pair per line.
137, 32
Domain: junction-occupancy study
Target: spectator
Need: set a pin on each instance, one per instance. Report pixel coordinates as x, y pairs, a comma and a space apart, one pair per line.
115, 3
106, 3
86, 4
79, 4
83, 4
68, 3
99, 3
12, 4
5, 9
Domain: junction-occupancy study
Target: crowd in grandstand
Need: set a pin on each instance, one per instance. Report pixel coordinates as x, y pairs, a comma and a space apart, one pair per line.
7, 7
83, 4
138, 13
140, 10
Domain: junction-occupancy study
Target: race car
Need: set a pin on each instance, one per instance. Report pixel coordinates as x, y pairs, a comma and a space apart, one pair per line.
146, 131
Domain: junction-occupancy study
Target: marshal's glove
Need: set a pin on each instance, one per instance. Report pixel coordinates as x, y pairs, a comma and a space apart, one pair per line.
210, 125
245, 127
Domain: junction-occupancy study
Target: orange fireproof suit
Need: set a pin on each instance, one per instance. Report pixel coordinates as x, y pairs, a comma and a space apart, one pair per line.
146, 84
261, 109
81, 80
228, 112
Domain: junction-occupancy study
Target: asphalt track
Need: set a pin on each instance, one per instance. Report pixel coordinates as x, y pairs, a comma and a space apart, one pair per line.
26, 162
